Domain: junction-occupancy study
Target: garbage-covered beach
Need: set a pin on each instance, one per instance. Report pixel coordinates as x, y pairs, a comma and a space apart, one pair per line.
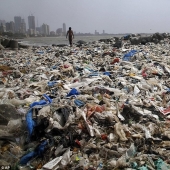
102, 105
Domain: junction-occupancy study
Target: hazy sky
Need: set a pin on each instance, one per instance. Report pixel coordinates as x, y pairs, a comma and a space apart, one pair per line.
113, 16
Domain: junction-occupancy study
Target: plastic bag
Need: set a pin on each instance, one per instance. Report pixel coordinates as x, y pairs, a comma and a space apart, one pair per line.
161, 165
38, 151
66, 157
73, 92
53, 164
30, 122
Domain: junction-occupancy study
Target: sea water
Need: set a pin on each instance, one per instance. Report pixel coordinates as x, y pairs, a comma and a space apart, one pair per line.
62, 39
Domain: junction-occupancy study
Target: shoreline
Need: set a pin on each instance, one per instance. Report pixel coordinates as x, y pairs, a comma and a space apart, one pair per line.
61, 41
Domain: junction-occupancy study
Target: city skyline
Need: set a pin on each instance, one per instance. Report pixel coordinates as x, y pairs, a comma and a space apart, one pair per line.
36, 25
20, 26
86, 16
31, 27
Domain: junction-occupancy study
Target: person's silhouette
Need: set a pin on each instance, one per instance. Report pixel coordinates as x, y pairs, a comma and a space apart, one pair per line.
70, 36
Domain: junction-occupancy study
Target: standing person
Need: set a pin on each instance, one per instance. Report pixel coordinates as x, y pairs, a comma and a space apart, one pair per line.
70, 36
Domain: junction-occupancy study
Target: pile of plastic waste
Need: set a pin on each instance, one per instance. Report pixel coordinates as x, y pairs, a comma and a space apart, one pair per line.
92, 106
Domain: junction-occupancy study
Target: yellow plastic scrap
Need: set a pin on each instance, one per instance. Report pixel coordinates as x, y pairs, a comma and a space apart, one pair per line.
5, 68
132, 74
77, 158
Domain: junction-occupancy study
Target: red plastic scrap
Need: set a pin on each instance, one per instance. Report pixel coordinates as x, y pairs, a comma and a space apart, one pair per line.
95, 108
5, 73
77, 141
144, 75
165, 111
66, 66
116, 60
104, 136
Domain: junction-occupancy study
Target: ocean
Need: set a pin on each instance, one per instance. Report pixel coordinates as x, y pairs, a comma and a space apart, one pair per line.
40, 41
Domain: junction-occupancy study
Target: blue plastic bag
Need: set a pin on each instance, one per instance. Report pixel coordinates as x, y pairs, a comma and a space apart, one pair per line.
168, 90
40, 52
42, 102
128, 55
106, 73
79, 103
73, 92
37, 152
94, 74
51, 83
161, 165
142, 168
48, 98
27, 158
30, 122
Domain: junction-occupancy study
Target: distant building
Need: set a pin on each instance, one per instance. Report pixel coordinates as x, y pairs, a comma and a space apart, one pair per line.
48, 30
31, 23
59, 31
2, 28
12, 26
45, 29
2, 22
96, 33
103, 31
17, 20
23, 26
64, 28
38, 30
31, 32
52, 33
7, 26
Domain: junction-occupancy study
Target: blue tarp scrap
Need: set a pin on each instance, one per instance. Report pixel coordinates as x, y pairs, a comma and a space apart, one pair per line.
168, 90
37, 152
161, 165
128, 55
79, 103
51, 83
40, 52
99, 73
42, 102
94, 74
143, 168
73, 92
54, 67
134, 165
106, 73
29, 121
126, 37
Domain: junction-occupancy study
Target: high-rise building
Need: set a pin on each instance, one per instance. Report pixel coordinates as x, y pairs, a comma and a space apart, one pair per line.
2, 22
45, 29
64, 28
2, 28
59, 31
38, 30
48, 30
17, 20
23, 26
96, 33
31, 24
10, 26
7, 26
52, 33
